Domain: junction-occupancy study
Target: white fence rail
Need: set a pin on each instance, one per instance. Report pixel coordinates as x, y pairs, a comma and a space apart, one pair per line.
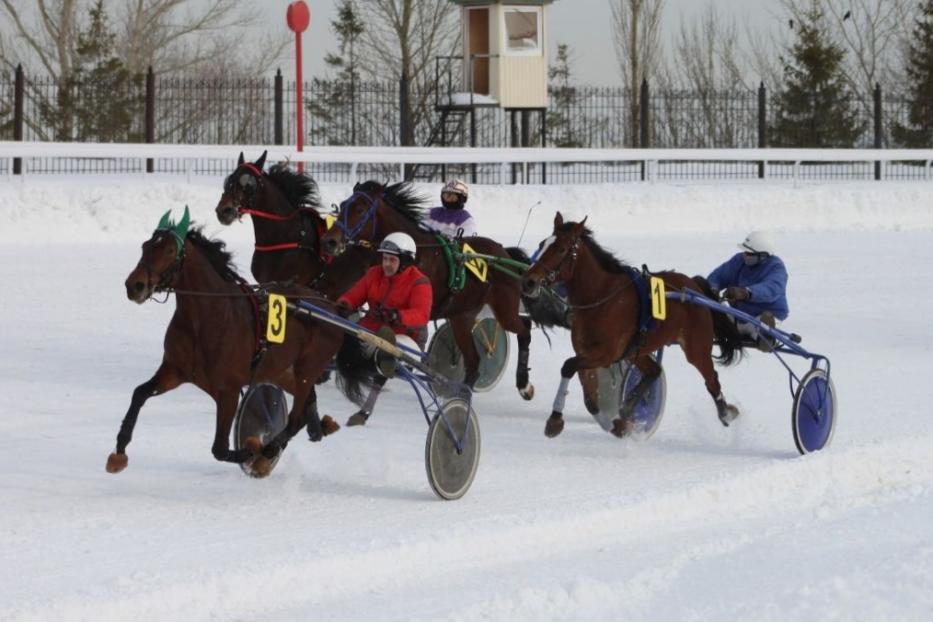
402, 156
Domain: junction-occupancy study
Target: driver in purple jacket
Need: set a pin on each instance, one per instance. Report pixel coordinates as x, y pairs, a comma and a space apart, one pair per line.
451, 219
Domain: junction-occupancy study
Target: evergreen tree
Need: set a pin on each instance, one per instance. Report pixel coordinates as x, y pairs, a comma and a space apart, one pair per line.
334, 100
109, 99
813, 106
919, 132
560, 115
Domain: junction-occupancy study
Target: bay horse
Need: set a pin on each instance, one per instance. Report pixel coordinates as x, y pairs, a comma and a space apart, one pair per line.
374, 210
287, 224
605, 325
214, 341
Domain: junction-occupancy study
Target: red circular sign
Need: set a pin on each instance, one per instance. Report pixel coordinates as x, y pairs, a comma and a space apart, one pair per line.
298, 16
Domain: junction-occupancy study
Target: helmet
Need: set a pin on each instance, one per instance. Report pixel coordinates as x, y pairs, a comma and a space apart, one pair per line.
399, 244
758, 242
455, 186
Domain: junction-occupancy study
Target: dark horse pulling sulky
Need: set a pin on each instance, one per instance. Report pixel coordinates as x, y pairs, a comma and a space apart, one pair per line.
374, 211
214, 341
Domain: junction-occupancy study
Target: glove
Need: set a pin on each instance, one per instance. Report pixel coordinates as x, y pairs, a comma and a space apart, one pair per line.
390, 317
344, 309
736, 294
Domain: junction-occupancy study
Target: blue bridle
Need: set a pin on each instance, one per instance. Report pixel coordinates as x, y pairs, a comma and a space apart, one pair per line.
343, 222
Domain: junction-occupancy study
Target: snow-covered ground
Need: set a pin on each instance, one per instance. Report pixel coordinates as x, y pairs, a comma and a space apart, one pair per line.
699, 523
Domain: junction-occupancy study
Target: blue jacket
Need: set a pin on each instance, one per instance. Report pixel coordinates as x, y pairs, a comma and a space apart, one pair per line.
766, 281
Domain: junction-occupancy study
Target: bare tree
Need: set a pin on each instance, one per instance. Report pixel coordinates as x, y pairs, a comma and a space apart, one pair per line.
636, 30
171, 35
702, 84
403, 37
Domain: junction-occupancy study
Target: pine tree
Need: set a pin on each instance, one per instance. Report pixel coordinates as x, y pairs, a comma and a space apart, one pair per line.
108, 99
919, 132
334, 100
564, 97
813, 107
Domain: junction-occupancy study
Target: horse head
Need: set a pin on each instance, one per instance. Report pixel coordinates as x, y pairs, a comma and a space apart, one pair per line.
557, 257
241, 188
161, 259
356, 220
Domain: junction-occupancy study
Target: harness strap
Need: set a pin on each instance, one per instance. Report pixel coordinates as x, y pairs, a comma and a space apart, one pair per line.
456, 271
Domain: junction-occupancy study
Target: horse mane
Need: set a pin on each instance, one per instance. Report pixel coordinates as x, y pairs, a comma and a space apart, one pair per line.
402, 197
299, 189
216, 253
606, 259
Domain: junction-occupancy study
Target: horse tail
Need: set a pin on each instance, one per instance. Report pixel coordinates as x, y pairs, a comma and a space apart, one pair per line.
727, 335
354, 371
547, 310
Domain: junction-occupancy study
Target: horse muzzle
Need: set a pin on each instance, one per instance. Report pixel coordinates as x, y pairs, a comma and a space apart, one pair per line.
138, 290
332, 247
227, 214
531, 287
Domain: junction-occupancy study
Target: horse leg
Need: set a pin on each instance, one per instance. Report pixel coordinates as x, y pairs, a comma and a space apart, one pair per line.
165, 379
555, 423
226, 411
462, 327
700, 355
650, 370
504, 303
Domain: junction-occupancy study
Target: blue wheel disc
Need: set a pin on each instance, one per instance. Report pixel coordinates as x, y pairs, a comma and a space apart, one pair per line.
650, 408
814, 413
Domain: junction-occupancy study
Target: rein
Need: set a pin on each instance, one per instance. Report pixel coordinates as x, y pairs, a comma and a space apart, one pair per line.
344, 221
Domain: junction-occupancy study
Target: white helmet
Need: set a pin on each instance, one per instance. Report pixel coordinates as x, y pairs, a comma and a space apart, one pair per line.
758, 242
455, 186
399, 244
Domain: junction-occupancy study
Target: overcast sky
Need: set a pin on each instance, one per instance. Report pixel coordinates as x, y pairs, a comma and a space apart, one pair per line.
582, 24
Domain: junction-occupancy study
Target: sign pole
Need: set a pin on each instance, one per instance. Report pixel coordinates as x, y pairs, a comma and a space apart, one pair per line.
298, 16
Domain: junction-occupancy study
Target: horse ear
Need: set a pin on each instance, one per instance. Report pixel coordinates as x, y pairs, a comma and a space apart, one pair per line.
182, 227
580, 227
558, 220
241, 160
262, 160
165, 223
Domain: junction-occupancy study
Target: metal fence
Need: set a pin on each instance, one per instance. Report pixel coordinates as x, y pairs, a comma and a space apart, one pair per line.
262, 111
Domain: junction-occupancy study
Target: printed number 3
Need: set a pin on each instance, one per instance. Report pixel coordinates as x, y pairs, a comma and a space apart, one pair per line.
275, 327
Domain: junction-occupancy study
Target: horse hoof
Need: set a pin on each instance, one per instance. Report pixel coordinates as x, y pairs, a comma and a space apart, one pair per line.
528, 392
728, 414
261, 467
253, 445
555, 425
622, 427
357, 419
329, 425
116, 462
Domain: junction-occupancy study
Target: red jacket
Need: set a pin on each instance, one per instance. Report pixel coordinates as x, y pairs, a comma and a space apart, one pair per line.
408, 292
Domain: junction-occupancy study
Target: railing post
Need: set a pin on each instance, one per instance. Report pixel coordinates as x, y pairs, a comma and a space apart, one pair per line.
644, 141
279, 108
526, 140
762, 126
405, 131
879, 129
544, 144
150, 116
19, 91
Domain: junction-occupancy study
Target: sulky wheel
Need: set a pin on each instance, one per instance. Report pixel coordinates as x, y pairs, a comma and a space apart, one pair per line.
813, 417
451, 452
650, 408
262, 413
444, 356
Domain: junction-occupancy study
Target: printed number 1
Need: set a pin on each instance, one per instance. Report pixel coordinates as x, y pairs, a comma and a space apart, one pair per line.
658, 299
275, 326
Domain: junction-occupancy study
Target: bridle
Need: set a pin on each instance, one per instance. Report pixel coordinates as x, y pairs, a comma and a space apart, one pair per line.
166, 276
343, 221
553, 275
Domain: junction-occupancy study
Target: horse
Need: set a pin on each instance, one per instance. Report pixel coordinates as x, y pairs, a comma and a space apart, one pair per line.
214, 340
374, 210
287, 224
606, 327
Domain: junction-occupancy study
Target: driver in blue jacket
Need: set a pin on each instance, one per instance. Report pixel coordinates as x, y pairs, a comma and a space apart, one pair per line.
755, 282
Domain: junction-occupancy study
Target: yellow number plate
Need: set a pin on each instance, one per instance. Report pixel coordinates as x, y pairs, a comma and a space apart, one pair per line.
658, 299
477, 266
275, 326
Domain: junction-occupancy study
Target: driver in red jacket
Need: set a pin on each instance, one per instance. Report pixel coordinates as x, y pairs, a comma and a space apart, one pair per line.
399, 296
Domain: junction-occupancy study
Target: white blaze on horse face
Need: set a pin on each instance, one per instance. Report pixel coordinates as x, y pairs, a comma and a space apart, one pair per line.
546, 244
